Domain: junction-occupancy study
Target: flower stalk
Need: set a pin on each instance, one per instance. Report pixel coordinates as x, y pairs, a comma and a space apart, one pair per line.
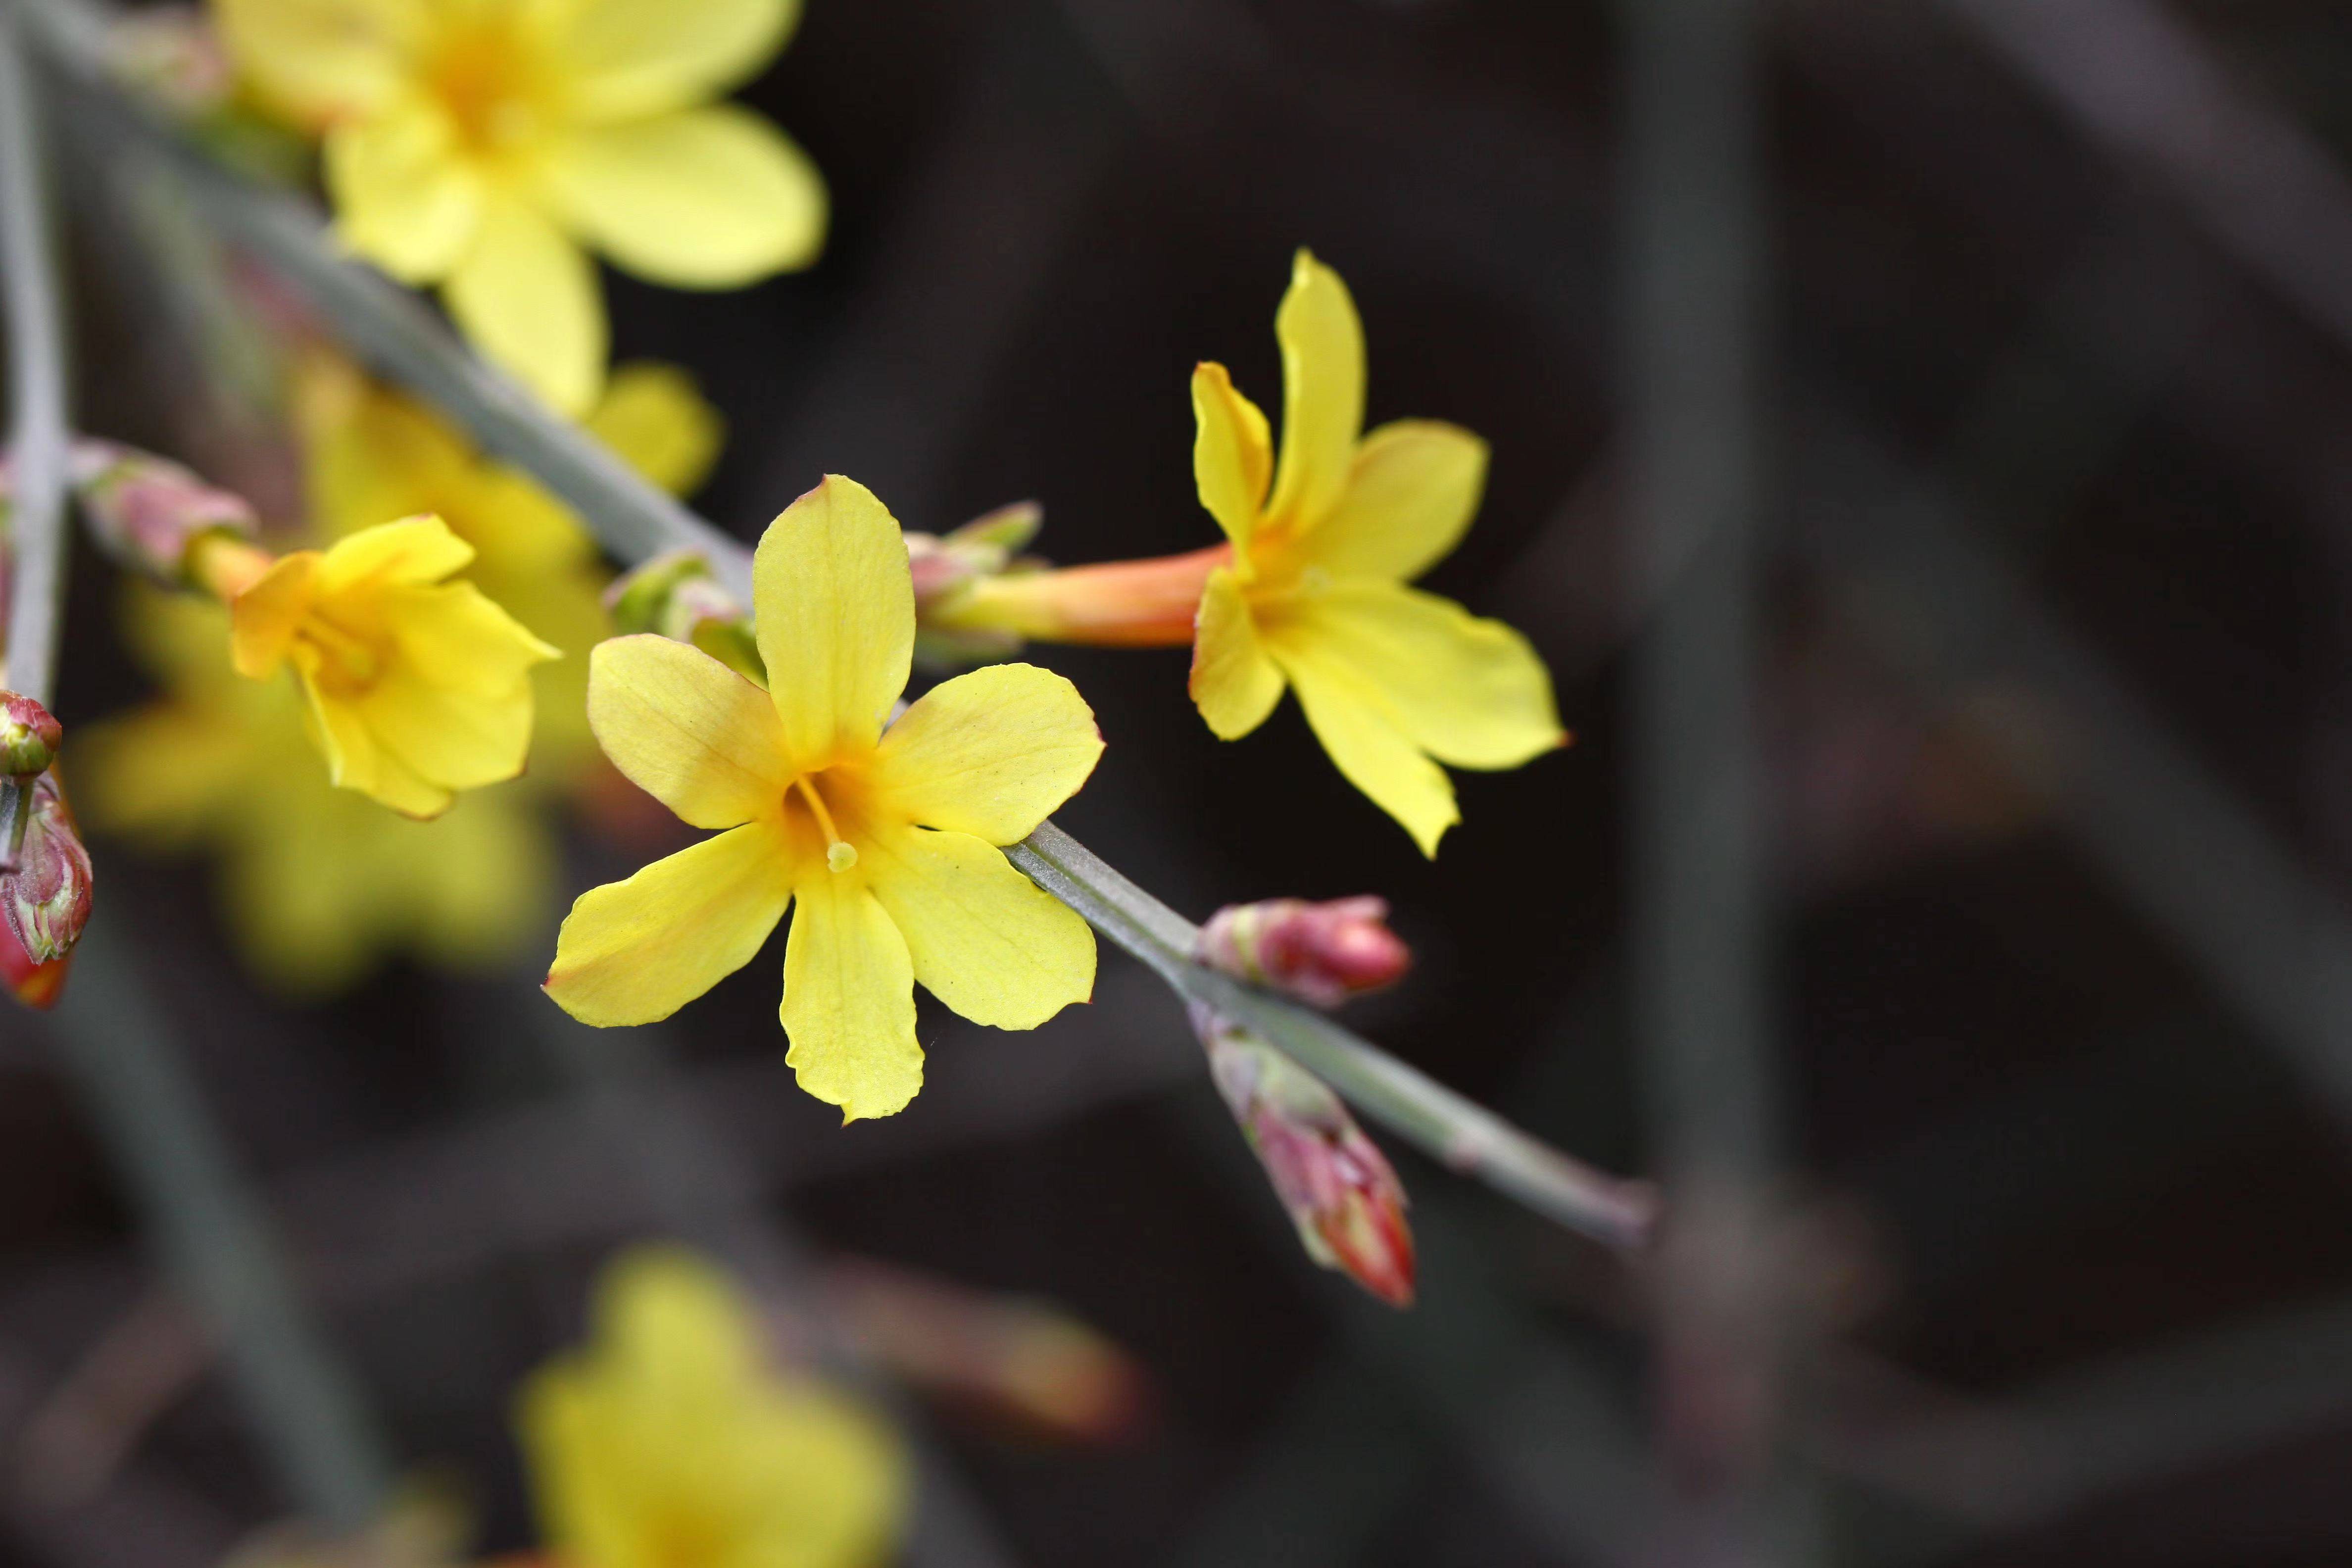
634, 521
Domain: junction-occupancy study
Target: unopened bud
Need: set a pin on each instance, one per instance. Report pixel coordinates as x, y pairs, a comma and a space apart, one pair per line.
149, 512
946, 567
44, 884
675, 595
1342, 1195
1321, 954
32, 985
30, 736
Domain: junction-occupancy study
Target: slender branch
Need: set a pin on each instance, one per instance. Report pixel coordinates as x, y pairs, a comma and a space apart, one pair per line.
37, 379
634, 521
214, 1237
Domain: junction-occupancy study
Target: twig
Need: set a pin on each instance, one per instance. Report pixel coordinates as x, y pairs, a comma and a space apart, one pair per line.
634, 521
37, 379
152, 1118
1694, 274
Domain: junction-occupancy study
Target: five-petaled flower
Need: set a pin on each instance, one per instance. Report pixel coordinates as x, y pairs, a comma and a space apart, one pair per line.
887, 840
1309, 591
671, 1440
416, 687
481, 145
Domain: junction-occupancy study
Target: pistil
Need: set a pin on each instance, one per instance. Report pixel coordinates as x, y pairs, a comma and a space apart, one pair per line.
840, 855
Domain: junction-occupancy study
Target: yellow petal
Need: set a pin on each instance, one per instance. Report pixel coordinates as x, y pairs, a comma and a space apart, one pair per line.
991, 753
316, 60
1322, 392
984, 938
686, 730
356, 760
405, 196
452, 635
834, 613
623, 59
1411, 495
1468, 691
1232, 452
1364, 737
526, 296
369, 455
269, 611
634, 952
660, 425
449, 737
702, 198
849, 999
413, 552
1234, 684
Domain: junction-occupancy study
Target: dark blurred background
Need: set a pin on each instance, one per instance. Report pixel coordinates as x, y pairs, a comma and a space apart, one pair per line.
2054, 711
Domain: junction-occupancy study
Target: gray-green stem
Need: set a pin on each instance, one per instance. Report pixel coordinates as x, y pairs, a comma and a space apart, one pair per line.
37, 379
399, 338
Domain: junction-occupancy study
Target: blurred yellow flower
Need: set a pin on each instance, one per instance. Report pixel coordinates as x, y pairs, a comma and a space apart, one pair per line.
1315, 596
670, 1441
482, 145
887, 841
417, 687
317, 884
371, 454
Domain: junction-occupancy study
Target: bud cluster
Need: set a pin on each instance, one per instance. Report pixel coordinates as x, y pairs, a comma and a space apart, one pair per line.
678, 596
149, 513
1341, 1192
946, 566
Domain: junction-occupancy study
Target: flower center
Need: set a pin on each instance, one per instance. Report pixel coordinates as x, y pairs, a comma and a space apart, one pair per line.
349, 661
840, 855
487, 77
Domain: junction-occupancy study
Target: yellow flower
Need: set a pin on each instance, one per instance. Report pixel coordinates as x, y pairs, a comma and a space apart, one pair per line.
417, 687
670, 1442
371, 454
482, 145
1315, 596
317, 884
886, 841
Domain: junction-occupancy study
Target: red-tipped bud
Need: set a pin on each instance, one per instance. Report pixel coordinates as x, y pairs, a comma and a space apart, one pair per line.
149, 512
30, 736
676, 596
36, 985
1342, 1194
1321, 954
45, 884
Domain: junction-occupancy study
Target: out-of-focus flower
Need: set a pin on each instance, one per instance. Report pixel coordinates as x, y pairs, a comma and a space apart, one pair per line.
489, 147
1341, 1193
1309, 590
317, 884
418, 687
45, 874
670, 1440
1322, 953
148, 513
371, 454
1024, 1363
888, 842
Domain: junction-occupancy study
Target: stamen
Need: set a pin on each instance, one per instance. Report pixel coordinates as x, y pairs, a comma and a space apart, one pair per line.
840, 855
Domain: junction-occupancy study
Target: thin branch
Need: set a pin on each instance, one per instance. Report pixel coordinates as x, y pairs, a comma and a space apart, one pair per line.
150, 1114
37, 379
634, 521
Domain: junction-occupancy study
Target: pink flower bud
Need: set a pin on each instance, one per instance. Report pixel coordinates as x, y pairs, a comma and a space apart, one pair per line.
1342, 1194
45, 890
32, 985
148, 513
1321, 954
30, 736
